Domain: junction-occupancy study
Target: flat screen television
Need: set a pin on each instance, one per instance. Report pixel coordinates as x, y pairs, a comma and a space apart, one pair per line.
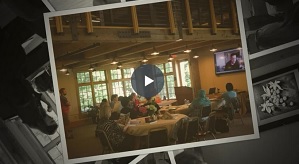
229, 61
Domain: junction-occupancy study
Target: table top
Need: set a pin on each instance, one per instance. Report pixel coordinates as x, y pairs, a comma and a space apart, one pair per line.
166, 102
181, 109
142, 128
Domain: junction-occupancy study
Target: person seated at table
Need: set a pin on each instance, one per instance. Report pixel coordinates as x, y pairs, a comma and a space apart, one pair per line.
135, 99
230, 93
158, 99
116, 107
200, 101
128, 108
116, 134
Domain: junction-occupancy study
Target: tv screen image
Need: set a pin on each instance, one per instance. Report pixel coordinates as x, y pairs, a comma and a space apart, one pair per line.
228, 61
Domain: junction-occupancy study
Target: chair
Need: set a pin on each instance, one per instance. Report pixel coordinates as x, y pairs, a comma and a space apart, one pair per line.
192, 129
183, 131
107, 148
233, 108
157, 137
203, 122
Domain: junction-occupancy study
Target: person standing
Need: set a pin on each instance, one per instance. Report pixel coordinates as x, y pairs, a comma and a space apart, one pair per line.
65, 108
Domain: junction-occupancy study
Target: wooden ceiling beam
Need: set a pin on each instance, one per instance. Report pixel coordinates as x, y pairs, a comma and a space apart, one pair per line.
189, 17
170, 17
234, 17
107, 48
156, 35
213, 17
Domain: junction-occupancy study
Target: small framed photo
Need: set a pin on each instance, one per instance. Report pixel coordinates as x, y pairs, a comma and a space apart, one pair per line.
268, 26
276, 96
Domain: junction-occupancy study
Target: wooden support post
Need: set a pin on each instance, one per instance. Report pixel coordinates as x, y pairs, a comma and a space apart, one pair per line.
171, 17
58, 23
234, 17
89, 25
213, 17
134, 19
189, 18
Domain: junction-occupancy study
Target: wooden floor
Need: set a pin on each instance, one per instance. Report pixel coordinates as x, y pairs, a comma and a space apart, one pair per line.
85, 143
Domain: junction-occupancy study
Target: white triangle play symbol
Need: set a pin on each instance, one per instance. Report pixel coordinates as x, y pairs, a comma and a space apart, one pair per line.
147, 81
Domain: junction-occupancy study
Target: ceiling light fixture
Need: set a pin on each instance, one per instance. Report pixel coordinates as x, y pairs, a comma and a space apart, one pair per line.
63, 69
155, 52
195, 56
91, 68
144, 60
114, 61
213, 49
119, 65
187, 50
67, 72
170, 58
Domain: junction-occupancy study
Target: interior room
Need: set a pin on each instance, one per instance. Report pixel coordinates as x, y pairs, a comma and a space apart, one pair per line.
96, 53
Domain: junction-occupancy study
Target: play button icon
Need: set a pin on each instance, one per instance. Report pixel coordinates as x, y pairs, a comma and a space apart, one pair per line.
147, 80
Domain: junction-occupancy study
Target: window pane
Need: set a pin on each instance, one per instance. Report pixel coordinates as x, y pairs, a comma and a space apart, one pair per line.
117, 88
115, 74
83, 77
170, 86
98, 76
128, 72
100, 91
163, 92
160, 66
185, 73
85, 95
168, 67
128, 88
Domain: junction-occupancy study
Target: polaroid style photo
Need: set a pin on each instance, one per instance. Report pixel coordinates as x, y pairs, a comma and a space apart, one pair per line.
275, 87
95, 51
268, 25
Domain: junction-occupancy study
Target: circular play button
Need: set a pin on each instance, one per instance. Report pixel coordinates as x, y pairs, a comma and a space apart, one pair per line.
147, 80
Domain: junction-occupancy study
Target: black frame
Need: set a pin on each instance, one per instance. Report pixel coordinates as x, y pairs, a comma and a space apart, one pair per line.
232, 71
278, 121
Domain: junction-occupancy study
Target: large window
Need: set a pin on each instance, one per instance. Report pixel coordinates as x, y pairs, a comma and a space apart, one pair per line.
92, 88
121, 81
169, 84
185, 73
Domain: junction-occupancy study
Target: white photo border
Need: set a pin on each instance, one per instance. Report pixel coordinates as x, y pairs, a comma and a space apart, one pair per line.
255, 134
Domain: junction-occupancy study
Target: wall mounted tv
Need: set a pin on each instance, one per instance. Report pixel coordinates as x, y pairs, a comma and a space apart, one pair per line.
229, 61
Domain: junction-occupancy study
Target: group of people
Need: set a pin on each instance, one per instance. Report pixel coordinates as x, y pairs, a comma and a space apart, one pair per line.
109, 118
202, 101
131, 104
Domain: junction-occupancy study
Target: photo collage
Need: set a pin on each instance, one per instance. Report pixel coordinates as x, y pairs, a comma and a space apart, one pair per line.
149, 81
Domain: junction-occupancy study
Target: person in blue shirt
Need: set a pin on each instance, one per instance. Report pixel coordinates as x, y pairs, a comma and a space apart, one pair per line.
230, 93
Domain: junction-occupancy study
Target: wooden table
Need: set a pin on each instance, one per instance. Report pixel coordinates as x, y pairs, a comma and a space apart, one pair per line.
181, 109
166, 102
143, 128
